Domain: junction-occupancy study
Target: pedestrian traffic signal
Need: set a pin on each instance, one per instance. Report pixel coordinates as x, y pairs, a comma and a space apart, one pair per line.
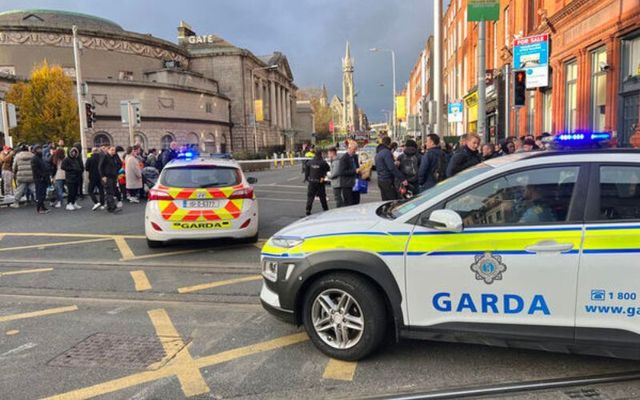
90, 112
519, 88
136, 110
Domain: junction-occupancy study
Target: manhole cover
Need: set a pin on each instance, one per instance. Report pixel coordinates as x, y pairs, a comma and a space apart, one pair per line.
117, 351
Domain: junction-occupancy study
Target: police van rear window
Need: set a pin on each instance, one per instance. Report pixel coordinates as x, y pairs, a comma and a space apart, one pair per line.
201, 176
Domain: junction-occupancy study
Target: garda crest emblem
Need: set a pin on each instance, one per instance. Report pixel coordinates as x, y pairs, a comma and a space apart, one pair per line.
201, 195
488, 267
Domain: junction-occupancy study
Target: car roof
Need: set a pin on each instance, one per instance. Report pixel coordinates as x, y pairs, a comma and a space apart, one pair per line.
554, 156
203, 161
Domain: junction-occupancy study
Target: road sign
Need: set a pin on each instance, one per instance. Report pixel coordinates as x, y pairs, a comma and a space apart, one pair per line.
531, 54
13, 120
483, 10
454, 113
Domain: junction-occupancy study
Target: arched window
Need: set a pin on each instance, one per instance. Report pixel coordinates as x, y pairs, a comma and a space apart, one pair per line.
166, 140
223, 143
210, 143
102, 139
141, 139
192, 138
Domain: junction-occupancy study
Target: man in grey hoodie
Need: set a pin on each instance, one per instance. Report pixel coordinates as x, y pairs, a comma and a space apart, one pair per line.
333, 174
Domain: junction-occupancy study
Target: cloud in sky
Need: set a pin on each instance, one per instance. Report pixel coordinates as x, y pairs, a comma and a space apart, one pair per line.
312, 33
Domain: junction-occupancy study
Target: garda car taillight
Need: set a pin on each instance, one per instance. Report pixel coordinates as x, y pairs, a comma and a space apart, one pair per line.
246, 193
155, 194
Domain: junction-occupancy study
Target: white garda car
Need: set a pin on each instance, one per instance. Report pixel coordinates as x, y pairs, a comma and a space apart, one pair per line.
535, 250
201, 198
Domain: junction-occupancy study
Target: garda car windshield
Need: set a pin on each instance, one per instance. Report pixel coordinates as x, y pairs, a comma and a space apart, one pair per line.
205, 176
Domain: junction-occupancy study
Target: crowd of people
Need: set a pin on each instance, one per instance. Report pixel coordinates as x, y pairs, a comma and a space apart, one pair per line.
44, 173
402, 171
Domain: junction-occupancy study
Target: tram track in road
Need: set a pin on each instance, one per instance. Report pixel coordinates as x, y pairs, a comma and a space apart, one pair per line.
493, 391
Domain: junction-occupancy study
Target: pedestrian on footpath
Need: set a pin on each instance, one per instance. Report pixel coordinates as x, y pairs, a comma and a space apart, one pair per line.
433, 167
109, 169
6, 165
347, 173
23, 174
95, 181
466, 157
59, 176
133, 174
315, 172
169, 154
41, 178
334, 161
72, 166
388, 172
409, 164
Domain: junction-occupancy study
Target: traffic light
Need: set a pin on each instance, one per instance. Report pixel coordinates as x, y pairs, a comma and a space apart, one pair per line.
136, 110
90, 112
519, 88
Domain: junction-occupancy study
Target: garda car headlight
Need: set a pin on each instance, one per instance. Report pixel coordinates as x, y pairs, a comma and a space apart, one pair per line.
270, 270
286, 242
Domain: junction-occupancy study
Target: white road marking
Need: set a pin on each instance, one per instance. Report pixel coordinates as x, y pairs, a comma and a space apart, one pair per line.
18, 349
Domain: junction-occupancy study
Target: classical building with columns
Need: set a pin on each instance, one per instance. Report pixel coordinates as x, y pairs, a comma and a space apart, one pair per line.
197, 92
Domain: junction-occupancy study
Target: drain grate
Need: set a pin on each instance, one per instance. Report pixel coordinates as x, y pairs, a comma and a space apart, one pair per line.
115, 351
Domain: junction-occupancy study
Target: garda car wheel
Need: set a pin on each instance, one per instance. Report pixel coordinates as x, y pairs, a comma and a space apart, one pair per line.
344, 316
154, 244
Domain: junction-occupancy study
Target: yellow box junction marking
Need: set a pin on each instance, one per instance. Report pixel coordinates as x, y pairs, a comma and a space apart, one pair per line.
123, 247
25, 271
38, 246
140, 280
182, 364
171, 370
40, 313
340, 370
167, 254
204, 286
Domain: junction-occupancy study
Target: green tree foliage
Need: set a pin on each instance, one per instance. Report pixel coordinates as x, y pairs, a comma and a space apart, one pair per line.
48, 109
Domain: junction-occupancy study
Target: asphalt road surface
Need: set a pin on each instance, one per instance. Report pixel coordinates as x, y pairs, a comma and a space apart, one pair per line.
88, 311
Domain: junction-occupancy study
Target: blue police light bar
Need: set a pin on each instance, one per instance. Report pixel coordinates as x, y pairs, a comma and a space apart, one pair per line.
187, 155
582, 139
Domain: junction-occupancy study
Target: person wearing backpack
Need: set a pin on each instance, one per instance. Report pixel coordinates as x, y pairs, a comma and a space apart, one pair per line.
433, 167
409, 164
387, 172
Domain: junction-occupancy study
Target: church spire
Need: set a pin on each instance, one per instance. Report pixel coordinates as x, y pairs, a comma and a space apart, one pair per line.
347, 62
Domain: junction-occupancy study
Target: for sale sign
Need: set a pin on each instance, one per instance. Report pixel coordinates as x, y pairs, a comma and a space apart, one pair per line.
531, 54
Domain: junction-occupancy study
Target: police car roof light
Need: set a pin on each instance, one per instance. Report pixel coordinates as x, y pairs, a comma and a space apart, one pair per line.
581, 139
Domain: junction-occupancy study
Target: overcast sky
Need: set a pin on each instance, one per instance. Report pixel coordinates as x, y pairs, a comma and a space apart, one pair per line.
312, 33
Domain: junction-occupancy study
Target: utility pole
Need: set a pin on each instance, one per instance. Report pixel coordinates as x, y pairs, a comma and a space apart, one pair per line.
482, 90
80, 97
132, 119
507, 100
437, 65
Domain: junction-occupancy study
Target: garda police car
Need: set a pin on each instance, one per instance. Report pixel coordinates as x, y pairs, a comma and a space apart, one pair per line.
201, 198
537, 250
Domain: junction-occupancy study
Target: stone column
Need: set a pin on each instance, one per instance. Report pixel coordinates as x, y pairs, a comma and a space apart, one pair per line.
289, 110
272, 108
282, 109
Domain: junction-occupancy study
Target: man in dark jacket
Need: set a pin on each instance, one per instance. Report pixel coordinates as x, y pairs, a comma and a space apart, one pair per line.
387, 172
315, 172
72, 166
466, 157
347, 173
109, 167
433, 167
95, 179
409, 164
41, 178
78, 147
169, 154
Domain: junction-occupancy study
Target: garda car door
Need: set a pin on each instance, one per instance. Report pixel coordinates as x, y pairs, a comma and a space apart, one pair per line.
609, 283
515, 263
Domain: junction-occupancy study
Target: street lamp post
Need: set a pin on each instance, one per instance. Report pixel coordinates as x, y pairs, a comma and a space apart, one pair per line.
393, 70
253, 103
80, 97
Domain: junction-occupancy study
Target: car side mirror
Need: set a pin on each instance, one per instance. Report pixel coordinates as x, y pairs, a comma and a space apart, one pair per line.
444, 220
251, 180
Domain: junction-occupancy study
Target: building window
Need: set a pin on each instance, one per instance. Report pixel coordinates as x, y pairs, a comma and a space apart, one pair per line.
193, 139
7, 69
598, 88
166, 140
506, 27
546, 111
531, 109
208, 108
571, 91
101, 139
125, 75
631, 50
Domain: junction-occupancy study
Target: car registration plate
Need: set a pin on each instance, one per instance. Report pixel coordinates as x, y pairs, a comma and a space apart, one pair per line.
210, 204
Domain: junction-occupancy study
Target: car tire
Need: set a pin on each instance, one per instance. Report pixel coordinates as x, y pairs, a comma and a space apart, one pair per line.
251, 239
367, 304
154, 244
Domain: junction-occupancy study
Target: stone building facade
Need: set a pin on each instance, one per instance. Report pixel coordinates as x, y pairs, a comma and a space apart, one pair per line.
196, 92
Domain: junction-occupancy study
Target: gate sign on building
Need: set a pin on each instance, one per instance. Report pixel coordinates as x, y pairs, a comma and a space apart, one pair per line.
531, 54
454, 112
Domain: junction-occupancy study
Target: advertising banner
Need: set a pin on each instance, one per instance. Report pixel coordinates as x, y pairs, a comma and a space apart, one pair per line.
259, 111
401, 108
454, 113
531, 54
